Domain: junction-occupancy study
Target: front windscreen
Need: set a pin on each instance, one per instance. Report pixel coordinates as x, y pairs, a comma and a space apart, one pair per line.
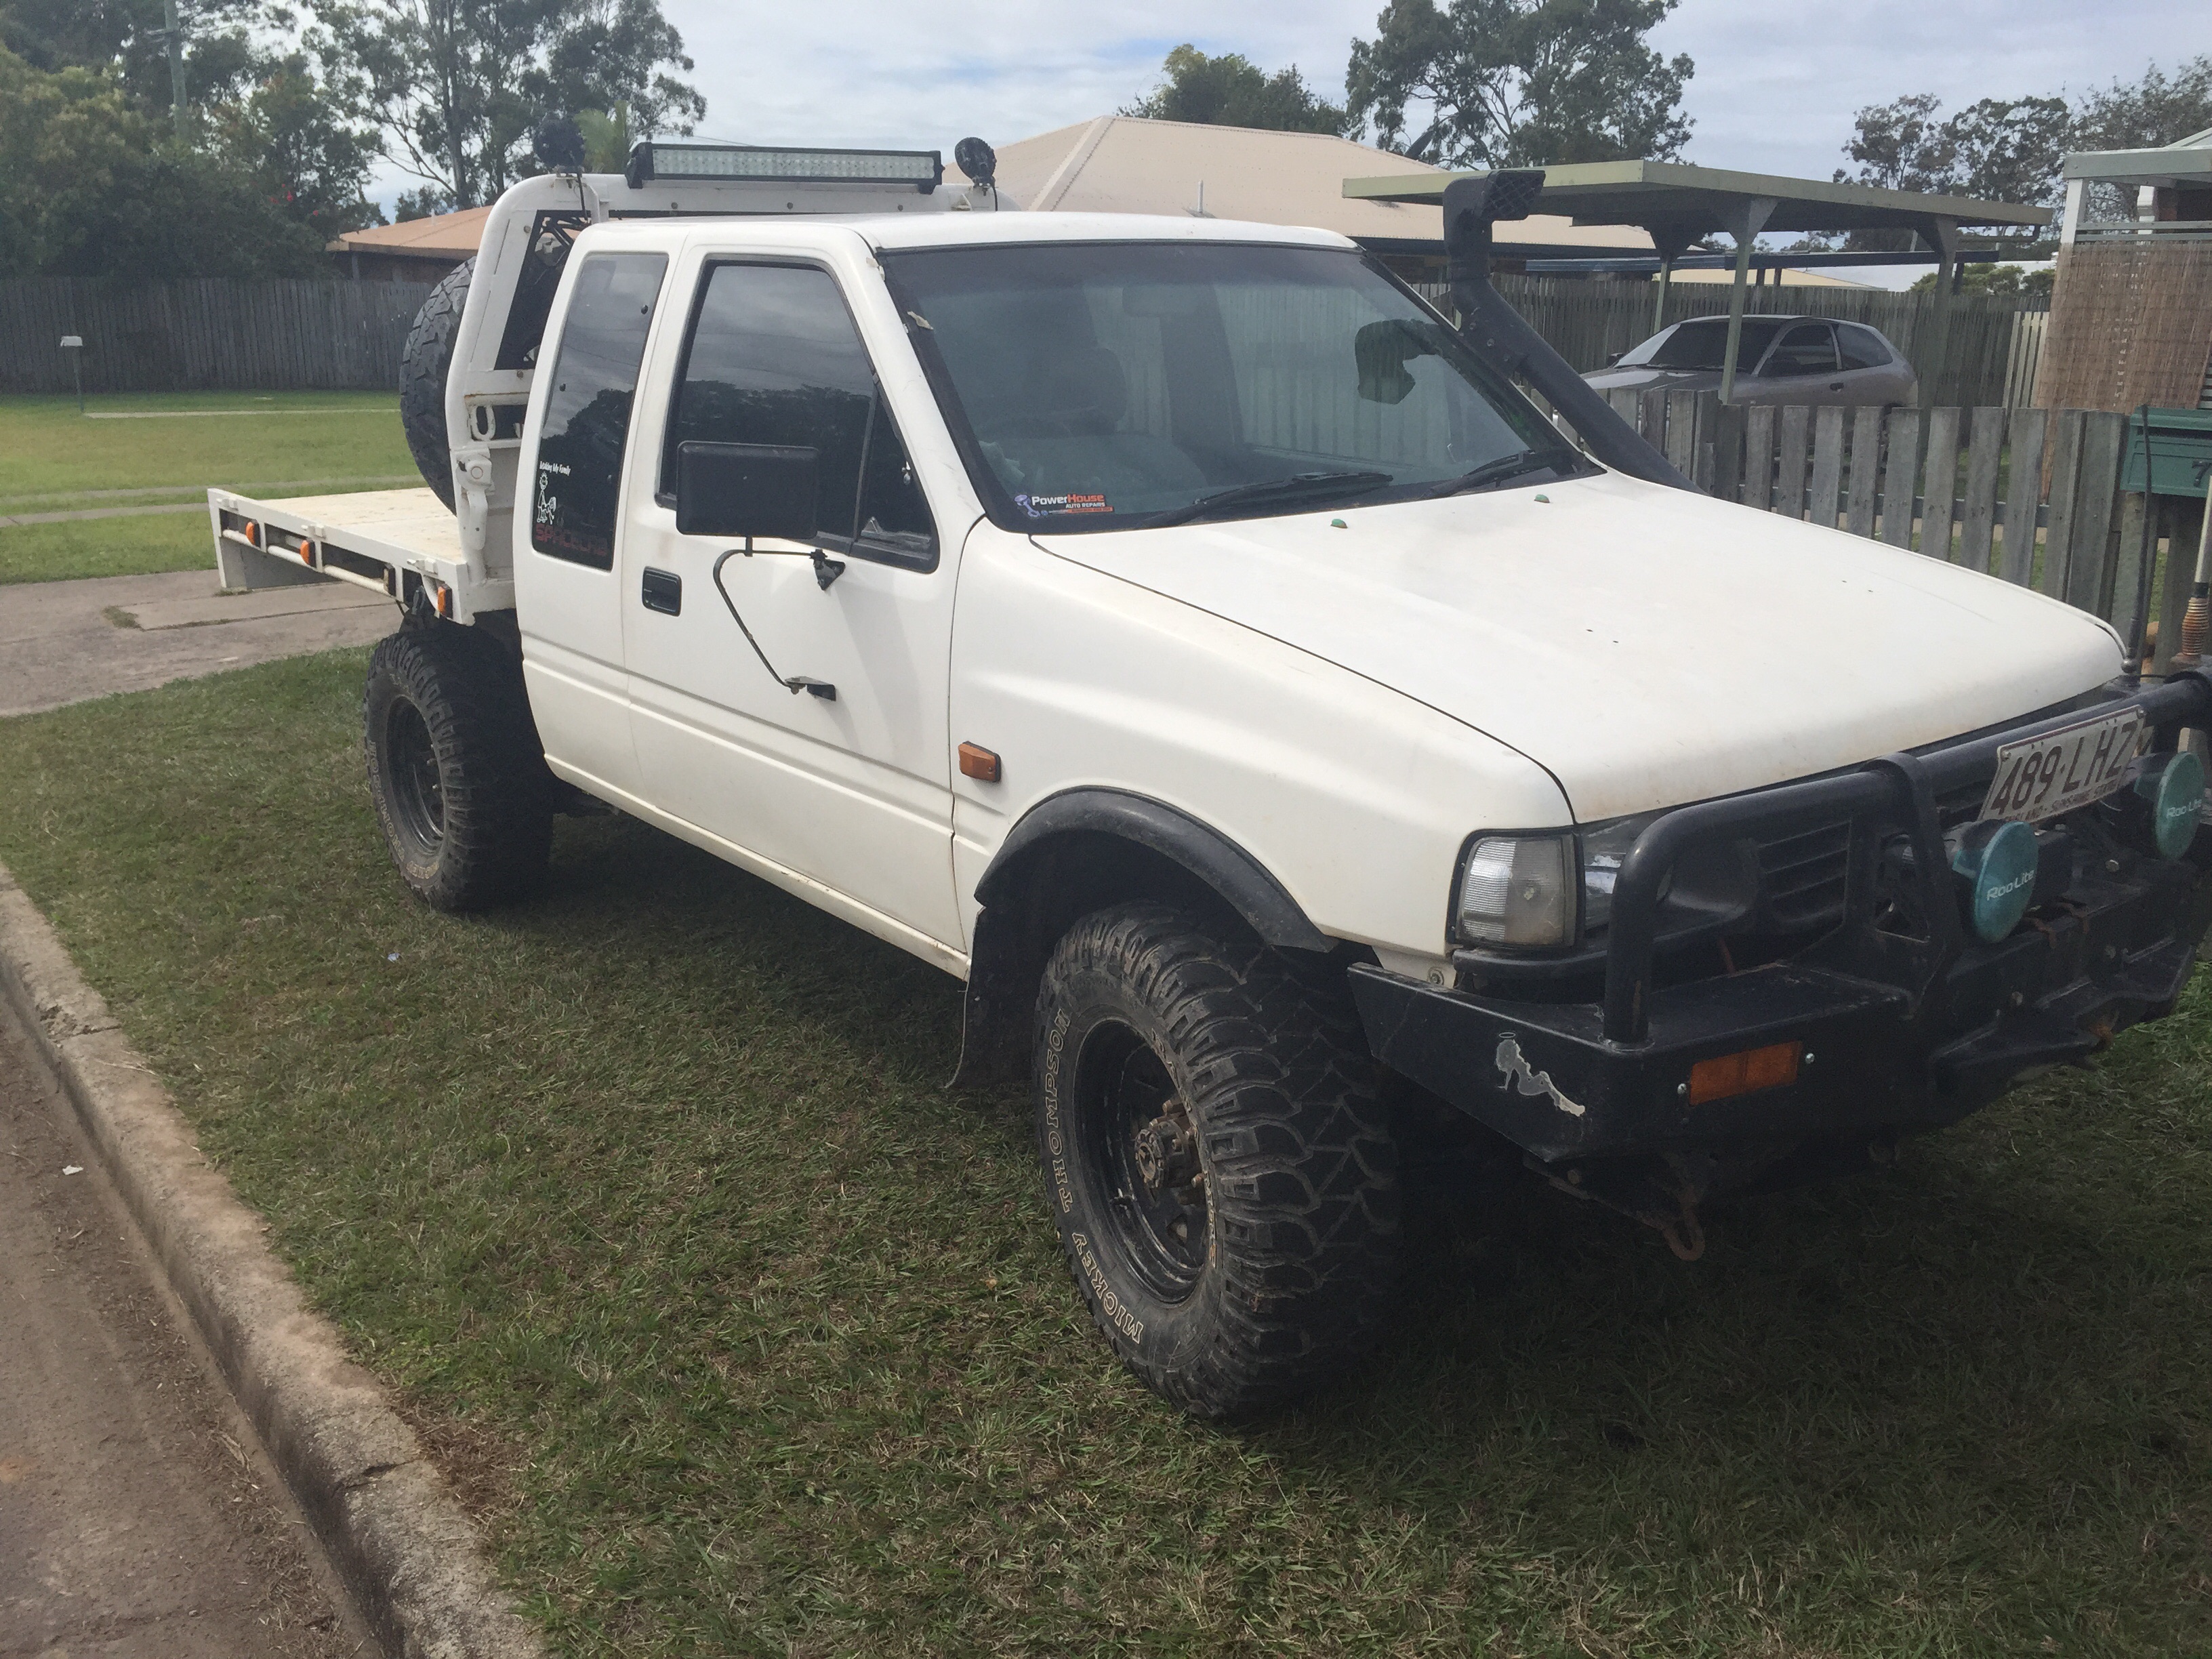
1703, 343
1103, 386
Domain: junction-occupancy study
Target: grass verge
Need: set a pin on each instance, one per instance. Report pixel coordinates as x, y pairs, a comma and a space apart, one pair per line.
52, 460
757, 1341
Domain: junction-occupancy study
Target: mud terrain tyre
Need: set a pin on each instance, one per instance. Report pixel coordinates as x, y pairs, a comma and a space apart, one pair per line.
423, 362
1216, 1157
455, 770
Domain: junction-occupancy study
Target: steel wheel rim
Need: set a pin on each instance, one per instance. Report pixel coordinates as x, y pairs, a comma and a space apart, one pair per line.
418, 803
1156, 1209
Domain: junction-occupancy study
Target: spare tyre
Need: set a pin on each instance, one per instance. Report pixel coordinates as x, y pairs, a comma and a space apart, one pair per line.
422, 365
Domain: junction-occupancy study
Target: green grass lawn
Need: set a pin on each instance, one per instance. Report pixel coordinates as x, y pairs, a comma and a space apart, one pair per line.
174, 446
748, 1338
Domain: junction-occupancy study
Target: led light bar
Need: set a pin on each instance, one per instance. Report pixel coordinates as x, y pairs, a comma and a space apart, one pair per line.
924, 169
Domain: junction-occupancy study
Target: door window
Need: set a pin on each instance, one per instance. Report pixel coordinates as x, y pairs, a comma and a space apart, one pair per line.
1862, 347
579, 484
1807, 348
774, 358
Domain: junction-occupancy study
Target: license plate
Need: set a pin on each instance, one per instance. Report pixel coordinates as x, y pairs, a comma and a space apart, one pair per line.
2040, 778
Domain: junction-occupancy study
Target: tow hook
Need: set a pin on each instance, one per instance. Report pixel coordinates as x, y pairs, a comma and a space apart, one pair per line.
1683, 1235
1661, 1192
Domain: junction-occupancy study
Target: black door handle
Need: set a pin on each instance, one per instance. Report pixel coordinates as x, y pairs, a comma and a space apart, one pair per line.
663, 592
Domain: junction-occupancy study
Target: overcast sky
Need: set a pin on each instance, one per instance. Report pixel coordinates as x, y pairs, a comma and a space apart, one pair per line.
1776, 87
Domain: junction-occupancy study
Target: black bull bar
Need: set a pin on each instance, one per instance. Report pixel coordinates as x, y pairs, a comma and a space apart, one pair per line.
1897, 1031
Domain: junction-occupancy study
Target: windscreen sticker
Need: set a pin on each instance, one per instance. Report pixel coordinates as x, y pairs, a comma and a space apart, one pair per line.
1041, 507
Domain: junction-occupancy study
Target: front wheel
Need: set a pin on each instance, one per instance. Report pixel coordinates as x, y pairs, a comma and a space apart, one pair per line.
1216, 1156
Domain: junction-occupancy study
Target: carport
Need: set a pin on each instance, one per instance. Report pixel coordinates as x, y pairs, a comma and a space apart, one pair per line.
1679, 205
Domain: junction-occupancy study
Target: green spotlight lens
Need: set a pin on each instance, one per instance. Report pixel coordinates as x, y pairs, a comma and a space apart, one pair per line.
2177, 796
1997, 861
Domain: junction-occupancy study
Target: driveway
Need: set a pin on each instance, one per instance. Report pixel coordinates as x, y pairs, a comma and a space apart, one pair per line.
62, 642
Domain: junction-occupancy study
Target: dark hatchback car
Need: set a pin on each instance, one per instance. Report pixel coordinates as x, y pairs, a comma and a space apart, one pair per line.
1781, 360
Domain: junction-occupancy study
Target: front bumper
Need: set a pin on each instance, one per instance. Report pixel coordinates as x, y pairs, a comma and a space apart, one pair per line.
1901, 1030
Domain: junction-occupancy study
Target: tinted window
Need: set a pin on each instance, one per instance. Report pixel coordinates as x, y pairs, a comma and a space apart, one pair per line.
1807, 348
1862, 347
1101, 385
774, 358
579, 451
1700, 345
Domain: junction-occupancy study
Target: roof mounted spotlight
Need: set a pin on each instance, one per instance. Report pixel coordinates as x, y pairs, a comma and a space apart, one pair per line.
978, 160
654, 159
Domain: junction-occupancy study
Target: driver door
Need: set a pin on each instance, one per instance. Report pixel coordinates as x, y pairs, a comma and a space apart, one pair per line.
850, 792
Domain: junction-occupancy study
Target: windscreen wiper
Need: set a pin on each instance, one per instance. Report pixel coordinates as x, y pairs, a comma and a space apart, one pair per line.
1297, 483
1555, 456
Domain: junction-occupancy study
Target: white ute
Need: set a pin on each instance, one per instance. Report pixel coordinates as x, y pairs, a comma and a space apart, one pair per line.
1309, 754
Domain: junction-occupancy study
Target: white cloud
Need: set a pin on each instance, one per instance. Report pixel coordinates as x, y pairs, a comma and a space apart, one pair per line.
1775, 90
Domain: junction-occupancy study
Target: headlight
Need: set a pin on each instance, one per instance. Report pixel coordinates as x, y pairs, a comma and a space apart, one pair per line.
1522, 890
1518, 891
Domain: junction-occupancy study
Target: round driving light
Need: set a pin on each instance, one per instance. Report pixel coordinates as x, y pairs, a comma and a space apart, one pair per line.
2174, 787
1996, 859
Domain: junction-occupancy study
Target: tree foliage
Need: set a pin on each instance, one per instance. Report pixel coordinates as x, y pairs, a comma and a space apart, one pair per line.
2159, 109
1515, 82
1232, 91
1999, 282
91, 186
456, 87
1998, 150
2009, 150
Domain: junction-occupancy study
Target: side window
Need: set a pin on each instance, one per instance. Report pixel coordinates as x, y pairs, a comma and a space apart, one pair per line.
774, 358
1807, 348
1862, 347
579, 451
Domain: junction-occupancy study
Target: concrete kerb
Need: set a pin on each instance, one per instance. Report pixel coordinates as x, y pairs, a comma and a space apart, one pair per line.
386, 1520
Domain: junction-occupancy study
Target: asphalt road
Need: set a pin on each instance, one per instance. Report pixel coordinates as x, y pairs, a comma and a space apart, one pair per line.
136, 1519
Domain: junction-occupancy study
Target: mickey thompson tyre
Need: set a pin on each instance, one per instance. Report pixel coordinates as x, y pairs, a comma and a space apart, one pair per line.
455, 770
423, 363
1217, 1159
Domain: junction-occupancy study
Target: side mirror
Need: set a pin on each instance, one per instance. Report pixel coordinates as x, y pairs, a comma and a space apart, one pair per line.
1613, 357
747, 489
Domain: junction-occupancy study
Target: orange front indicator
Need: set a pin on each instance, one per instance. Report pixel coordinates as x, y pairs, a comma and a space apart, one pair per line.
1741, 1074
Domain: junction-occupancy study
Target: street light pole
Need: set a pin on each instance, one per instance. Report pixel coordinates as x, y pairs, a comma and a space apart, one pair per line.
176, 42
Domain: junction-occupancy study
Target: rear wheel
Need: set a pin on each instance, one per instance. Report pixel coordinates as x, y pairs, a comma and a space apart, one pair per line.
1216, 1157
455, 767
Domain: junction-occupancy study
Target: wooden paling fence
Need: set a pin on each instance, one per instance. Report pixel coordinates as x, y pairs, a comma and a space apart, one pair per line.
213, 334
2029, 496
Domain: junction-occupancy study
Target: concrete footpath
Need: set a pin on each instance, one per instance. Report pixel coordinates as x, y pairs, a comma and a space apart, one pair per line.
62, 642
136, 1513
